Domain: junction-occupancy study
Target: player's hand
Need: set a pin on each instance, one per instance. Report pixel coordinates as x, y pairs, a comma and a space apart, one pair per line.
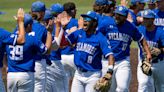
80, 23
124, 3
50, 26
129, 18
64, 19
20, 15
139, 19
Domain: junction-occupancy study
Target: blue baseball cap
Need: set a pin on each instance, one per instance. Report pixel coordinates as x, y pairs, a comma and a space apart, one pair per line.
151, 2
142, 1
148, 14
38, 6
91, 15
27, 19
2, 13
103, 2
158, 0
133, 2
122, 10
48, 15
57, 8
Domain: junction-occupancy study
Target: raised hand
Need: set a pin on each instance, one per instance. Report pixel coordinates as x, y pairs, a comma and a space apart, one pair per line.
20, 15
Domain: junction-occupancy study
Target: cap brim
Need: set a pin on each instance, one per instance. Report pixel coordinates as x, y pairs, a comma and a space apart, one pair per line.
2, 13
119, 13
85, 15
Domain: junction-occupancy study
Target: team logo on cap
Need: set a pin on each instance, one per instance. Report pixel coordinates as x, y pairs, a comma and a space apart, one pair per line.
146, 12
89, 12
120, 8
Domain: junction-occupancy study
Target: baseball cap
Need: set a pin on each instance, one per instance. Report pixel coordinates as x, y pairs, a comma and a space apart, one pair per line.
48, 15
142, 1
2, 13
27, 19
122, 10
148, 14
133, 2
91, 15
151, 2
158, 0
103, 2
57, 8
38, 6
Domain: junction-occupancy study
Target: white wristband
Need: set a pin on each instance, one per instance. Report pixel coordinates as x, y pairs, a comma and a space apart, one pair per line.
110, 67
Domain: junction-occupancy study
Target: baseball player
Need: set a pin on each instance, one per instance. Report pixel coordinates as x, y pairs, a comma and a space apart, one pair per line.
37, 11
56, 76
7, 38
155, 38
21, 62
151, 4
159, 19
120, 37
67, 53
90, 45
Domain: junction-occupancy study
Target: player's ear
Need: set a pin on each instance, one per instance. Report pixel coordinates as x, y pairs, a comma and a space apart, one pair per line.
95, 23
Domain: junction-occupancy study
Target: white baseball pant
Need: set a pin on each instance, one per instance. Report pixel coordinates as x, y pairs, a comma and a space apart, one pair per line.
85, 81
40, 75
20, 82
69, 66
56, 78
145, 83
121, 76
158, 75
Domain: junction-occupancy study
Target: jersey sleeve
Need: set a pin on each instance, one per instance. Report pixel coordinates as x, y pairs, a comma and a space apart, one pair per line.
8, 38
73, 37
105, 46
137, 36
162, 38
41, 48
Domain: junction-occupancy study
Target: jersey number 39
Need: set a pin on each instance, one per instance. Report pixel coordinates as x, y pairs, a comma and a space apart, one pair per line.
16, 52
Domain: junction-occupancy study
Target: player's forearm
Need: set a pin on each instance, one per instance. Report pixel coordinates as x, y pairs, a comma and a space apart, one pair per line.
146, 48
21, 33
49, 41
111, 61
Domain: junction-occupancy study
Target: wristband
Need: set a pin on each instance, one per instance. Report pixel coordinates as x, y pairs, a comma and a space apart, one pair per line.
110, 69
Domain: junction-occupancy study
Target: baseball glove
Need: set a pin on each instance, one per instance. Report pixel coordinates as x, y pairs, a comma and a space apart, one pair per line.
155, 52
104, 83
146, 68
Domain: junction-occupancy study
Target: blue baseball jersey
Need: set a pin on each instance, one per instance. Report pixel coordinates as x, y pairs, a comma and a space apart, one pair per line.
55, 54
89, 49
73, 23
41, 34
120, 37
159, 18
154, 38
21, 57
5, 38
2, 46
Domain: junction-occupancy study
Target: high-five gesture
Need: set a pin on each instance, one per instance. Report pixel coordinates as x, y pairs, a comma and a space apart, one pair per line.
20, 15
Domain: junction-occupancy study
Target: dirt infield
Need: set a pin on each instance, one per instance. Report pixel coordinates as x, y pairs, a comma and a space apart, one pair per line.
134, 62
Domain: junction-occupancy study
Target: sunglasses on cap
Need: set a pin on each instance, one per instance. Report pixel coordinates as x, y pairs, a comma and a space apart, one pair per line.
87, 19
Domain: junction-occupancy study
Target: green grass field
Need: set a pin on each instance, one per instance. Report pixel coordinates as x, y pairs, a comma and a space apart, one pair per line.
10, 7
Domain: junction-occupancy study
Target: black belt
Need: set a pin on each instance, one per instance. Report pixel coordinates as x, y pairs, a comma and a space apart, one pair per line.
82, 70
158, 60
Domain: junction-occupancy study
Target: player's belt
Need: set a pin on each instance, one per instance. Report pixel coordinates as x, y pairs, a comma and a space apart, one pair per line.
158, 60
82, 70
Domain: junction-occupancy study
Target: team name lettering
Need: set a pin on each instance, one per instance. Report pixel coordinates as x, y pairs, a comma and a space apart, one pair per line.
119, 36
159, 21
152, 44
86, 48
